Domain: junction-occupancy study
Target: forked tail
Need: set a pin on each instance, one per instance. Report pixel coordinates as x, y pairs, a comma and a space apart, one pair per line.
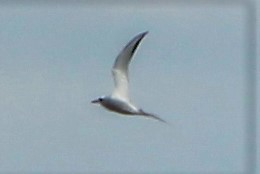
151, 116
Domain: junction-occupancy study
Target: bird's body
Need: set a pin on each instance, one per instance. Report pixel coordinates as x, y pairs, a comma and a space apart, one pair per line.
120, 106
119, 100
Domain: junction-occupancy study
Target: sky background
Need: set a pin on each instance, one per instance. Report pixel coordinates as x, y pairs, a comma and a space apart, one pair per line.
190, 70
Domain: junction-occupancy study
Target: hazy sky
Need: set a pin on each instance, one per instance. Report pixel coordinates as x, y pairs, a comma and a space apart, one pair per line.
190, 70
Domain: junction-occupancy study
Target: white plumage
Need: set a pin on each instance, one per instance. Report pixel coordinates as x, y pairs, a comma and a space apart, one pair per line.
119, 101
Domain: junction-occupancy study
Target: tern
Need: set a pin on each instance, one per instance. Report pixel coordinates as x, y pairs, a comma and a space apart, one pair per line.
119, 100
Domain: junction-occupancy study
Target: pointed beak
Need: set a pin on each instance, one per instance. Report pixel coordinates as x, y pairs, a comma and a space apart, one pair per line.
95, 101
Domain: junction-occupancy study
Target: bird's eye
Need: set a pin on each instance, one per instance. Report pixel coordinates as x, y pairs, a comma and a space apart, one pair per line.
100, 99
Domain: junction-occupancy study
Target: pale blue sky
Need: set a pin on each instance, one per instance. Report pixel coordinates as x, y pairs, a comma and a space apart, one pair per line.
190, 69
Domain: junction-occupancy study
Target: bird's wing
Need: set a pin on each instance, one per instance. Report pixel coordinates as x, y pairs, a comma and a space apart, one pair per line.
153, 116
120, 68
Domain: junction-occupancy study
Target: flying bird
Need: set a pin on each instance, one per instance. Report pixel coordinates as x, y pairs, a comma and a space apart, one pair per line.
119, 100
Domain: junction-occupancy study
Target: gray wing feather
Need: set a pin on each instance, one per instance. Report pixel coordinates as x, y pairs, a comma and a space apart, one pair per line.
153, 116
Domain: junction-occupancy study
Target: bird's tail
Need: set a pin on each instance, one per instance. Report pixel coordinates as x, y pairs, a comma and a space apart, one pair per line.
149, 115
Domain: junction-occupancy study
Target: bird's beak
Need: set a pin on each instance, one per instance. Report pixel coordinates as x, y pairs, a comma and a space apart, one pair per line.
95, 101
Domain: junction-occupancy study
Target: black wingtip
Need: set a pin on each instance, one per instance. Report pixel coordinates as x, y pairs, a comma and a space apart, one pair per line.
140, 37
144, 33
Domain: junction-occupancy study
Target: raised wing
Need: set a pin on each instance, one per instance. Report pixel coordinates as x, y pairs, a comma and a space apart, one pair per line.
120, 68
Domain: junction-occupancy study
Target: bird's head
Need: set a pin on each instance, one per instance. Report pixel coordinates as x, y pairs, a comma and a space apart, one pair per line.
99, 100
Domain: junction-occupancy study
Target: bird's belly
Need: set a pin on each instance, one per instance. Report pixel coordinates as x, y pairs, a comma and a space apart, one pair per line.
120, 107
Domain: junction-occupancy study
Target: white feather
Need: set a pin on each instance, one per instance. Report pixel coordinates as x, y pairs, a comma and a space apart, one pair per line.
120, 68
